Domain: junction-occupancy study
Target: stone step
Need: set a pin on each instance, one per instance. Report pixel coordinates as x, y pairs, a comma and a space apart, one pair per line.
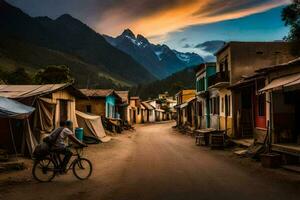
293, 168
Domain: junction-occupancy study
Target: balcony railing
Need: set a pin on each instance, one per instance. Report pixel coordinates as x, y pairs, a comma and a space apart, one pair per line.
219, 77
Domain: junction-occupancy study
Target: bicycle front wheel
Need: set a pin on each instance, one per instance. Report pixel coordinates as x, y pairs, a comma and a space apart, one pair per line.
82, 168
43, 170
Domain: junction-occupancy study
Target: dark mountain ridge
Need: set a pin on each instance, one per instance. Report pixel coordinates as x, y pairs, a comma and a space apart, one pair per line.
69, 35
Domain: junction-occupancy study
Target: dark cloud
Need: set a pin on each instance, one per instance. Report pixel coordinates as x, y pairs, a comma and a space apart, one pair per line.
111, 16
186, 46
84, 8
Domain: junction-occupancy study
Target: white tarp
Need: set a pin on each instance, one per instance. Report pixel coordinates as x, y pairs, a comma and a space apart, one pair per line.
92, 126
13, 109
282, 82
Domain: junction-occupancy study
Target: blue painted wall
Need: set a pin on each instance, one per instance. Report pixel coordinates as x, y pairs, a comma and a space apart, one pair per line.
110, 103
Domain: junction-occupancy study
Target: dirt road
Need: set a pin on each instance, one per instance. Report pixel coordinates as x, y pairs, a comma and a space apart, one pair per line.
155, 162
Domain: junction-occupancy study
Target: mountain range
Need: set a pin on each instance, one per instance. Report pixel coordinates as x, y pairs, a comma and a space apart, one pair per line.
160, 60
35, 42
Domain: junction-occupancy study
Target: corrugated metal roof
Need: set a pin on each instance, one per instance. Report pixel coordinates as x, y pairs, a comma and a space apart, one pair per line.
23, 91
124, 95
147, 106
97, 92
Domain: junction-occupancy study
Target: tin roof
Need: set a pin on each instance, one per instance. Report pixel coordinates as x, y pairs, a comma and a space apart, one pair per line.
147, 105
124, 95
24, 91
97, 92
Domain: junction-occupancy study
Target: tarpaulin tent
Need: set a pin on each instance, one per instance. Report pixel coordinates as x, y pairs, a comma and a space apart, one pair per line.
10, 109
92, 126
13, 109
44, 115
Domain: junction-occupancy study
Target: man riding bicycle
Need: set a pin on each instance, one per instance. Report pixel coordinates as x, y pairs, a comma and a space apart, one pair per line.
59, 144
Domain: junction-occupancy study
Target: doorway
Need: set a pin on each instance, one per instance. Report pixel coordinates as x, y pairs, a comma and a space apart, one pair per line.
63, 110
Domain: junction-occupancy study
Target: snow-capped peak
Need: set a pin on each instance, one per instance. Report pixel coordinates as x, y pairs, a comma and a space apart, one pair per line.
128, 33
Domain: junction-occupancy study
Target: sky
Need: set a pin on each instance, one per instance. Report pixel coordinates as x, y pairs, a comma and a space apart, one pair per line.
177, 23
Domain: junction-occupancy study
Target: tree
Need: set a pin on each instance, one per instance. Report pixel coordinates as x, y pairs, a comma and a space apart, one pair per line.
291, 17
18, 76
54, 75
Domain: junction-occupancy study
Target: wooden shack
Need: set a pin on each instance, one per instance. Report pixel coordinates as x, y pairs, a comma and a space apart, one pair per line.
100, 102
52, 102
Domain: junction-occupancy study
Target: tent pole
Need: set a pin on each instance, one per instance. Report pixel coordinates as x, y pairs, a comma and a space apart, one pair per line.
12, 137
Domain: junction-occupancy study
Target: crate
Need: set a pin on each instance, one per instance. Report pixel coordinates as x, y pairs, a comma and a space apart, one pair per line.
270, 160
217, 140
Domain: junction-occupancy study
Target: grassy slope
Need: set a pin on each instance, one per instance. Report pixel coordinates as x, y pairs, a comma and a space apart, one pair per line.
19, 54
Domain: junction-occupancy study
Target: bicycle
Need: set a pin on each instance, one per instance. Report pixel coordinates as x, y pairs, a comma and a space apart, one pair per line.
46, 168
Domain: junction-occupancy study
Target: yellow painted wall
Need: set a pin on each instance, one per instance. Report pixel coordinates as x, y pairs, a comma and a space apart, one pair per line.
187, 94
229, 125
97, 106
222, 93
138, 116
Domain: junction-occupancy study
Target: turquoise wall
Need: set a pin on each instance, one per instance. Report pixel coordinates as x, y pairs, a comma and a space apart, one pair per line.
210, 70
110, 103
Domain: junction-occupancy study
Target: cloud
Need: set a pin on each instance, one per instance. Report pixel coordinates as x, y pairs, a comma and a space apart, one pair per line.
152, 18
201, 12
186, 46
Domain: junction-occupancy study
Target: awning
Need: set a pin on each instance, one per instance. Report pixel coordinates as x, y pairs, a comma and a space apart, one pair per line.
282, 82
183, 105
13, 109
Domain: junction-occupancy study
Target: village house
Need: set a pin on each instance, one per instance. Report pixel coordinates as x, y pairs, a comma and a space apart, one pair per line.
53, 103
282, 92
167, 104
150, 112
185, 114
203, 114
135, 112
160, 114
124, 108
104, 103
233, 108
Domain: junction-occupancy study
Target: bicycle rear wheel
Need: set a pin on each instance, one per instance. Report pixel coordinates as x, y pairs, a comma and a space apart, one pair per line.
82, 168
43, 170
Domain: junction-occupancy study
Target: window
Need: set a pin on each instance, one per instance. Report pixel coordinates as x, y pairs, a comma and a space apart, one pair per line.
215, 105
224, 65
222, 104
89, 108
259, 52
229, 105
200, 108
200, 85
261, 105
138, 111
